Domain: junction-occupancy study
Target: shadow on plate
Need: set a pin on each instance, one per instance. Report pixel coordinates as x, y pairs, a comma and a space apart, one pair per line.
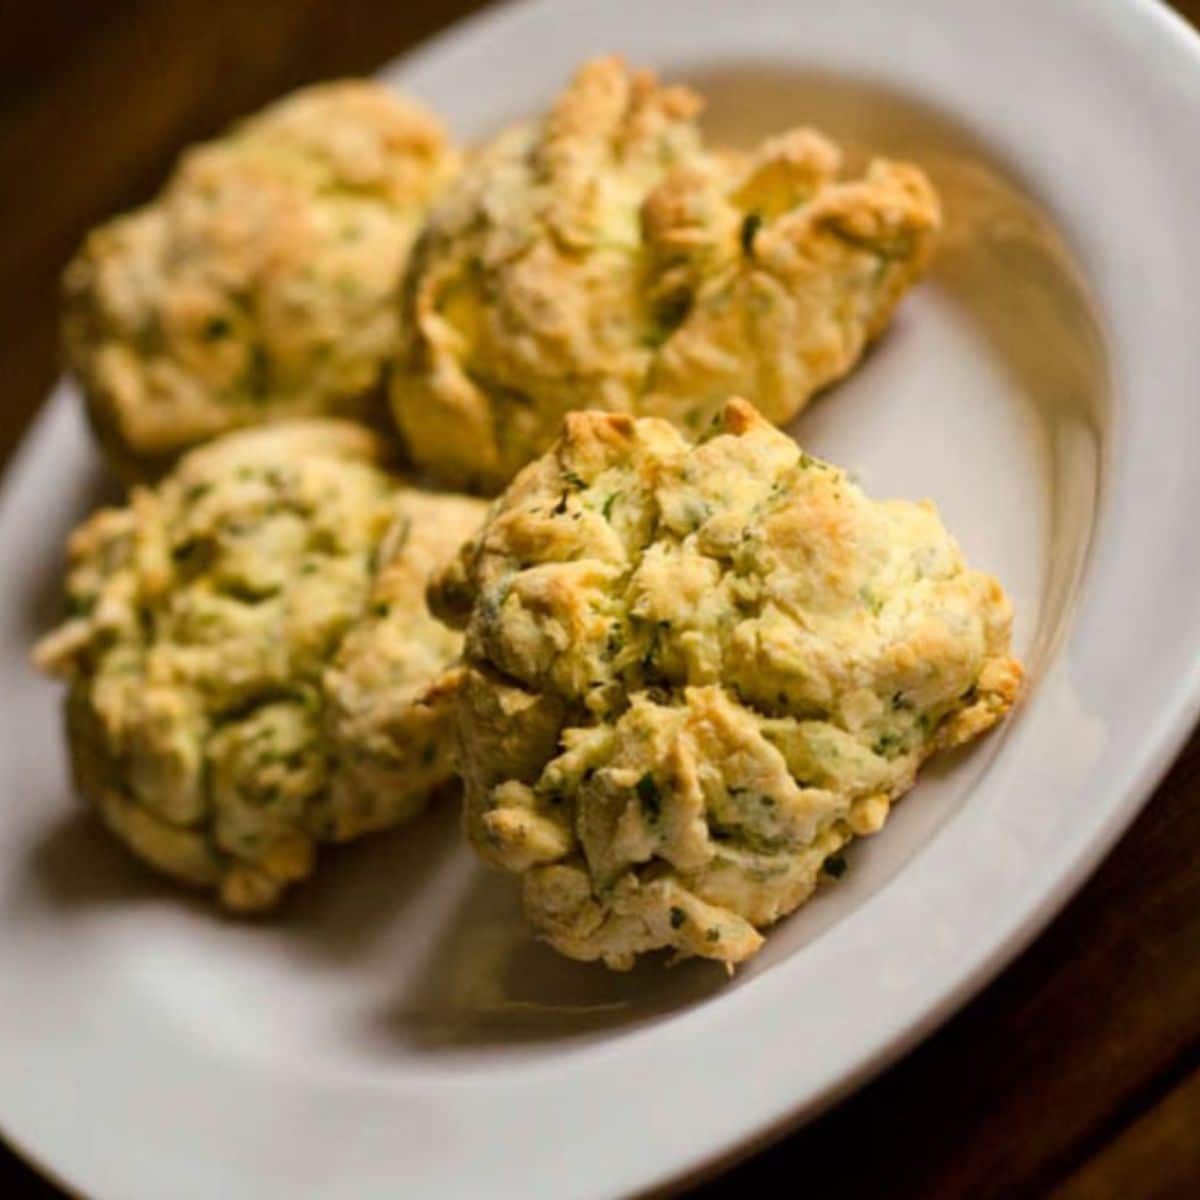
489, 981
485, 980
359, 889
77, 865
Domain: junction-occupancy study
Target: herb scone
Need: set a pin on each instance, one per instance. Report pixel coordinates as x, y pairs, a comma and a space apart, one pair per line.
228, 628
692, 673
262, 281
603, 258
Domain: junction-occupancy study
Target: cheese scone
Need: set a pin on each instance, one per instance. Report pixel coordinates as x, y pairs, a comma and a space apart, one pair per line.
692, 673
224, 627
262, 281
603, 258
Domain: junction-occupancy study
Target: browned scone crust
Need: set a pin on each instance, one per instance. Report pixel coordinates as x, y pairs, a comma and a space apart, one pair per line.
692, 673
261, 283
602, 258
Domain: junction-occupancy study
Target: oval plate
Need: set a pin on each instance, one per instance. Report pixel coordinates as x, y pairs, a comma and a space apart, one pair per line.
397, 1029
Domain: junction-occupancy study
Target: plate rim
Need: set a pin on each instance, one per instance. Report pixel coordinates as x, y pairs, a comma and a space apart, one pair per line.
1176, 719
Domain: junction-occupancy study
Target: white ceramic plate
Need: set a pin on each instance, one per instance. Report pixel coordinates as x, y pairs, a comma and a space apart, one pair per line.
397, 1032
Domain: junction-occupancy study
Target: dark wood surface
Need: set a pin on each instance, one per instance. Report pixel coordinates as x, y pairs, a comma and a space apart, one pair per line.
1076, 1074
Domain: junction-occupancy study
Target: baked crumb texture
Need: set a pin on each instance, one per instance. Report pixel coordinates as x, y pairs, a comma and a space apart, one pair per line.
261, 283
604, 258
251, 667
694, 672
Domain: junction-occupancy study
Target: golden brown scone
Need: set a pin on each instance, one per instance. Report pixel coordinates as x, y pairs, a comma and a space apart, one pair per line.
693, 673
601, 258
261, 283
225, 626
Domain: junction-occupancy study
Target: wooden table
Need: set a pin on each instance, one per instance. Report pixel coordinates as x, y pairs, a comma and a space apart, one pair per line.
1077, 1073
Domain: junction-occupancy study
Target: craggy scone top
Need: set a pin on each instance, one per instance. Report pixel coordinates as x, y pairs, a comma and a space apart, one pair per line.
251, 666
694, 672
602, 258
262, 281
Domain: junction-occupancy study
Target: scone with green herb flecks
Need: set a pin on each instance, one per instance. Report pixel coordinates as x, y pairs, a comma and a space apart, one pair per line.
261, 283
692, 673
251, 666
602, 257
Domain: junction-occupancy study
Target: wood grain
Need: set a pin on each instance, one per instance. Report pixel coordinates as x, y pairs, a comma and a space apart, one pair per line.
1077, 1073
1156, 1157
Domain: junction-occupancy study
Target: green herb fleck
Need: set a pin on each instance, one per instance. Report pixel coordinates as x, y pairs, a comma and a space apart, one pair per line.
712, 935
615, 642
257, 380
677, 917
80, 606
750, 226
835, 865
652, 647
608, 506
650, 797
887, 743
669, 314
428, 753
873, 602
217, 327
